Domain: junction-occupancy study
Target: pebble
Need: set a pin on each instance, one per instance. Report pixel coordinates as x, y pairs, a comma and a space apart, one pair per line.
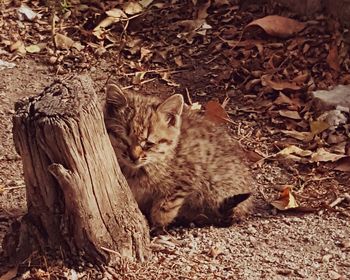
334, 275
326, 258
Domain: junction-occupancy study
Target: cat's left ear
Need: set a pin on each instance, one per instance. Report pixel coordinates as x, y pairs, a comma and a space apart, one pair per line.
173, 105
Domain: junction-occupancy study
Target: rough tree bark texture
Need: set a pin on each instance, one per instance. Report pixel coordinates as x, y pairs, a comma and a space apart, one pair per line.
78, 200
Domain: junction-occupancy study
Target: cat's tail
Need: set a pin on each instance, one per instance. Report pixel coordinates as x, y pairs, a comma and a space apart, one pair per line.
232, 209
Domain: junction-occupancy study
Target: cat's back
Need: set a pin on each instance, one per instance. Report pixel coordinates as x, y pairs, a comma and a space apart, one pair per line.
212, 153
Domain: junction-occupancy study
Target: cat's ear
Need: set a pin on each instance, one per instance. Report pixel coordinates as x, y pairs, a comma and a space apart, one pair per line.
115, 96
172, 105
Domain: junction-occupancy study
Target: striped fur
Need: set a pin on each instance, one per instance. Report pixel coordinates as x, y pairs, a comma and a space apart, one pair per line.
181, 168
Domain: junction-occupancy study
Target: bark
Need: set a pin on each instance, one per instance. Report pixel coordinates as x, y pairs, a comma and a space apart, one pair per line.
78, 200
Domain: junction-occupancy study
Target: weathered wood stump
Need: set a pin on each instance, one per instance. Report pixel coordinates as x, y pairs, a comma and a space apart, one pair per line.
78, 200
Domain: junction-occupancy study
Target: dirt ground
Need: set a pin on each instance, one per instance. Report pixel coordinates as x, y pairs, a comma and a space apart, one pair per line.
313, 243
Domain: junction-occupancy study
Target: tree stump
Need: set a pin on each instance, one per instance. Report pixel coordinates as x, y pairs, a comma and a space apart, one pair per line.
78, 200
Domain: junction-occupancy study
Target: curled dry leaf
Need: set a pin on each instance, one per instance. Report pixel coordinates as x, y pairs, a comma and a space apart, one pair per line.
286, 200
63, 42
333, 58
295, 150
290, 114
322, 155
19, 47
33, 49
266, 80
132, 8
278, 26
302, 136
343, 164
9, 275
216, 113
317, 127
114, 15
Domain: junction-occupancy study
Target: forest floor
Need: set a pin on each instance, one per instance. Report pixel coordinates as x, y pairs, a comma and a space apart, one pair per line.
207, 52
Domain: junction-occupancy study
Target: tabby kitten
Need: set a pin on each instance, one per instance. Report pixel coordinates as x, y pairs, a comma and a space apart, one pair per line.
180, 167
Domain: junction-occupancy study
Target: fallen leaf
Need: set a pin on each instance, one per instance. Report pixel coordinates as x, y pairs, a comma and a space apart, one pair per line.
216, 113
63, 42
202, 10
278, 26
303, 136
195, 106
286, 200
332, 57
290, 114
9, 275
114, 15
294, 150
266, 80
19, 47
145, 3
343, 164
215, 251
322, 155
33, 49
132, 8
24, 12
317, 127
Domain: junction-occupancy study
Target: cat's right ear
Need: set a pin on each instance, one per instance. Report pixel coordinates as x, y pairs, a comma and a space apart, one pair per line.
115, 96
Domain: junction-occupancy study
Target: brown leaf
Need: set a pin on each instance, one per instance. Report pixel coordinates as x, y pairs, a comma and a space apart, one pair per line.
317, 127
278, 26
332, 58
215, 251
216, 113
63, 42
286, 200
266, 80
303, 136
322, 155
9, 275
202, 10
343, 164
290, 114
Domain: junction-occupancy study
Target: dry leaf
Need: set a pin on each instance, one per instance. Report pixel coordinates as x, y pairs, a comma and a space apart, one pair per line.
63, 42
216, 113
19, 47
202, 11
343, 164
294, 150
215, 251
9, 275
132, 8
145, 3
278, 26
114, 15
286, 200
303, 136
195, 106
266, 80
332, 58
317, 127
322, 155
290, 114
33, 49
24, 12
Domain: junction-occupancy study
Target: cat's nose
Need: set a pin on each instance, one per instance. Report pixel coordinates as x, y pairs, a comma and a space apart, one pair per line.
136, 152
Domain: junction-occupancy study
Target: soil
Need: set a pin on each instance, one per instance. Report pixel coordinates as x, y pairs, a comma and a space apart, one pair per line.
313, 243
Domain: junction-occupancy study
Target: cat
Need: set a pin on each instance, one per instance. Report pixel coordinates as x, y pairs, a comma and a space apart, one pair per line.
180, 167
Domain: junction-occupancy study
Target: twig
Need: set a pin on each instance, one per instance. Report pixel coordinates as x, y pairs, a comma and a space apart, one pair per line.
111, 251
336, 202
188, 96
13, 188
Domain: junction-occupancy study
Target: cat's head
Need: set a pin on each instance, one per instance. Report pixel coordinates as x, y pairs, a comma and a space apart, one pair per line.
143, 129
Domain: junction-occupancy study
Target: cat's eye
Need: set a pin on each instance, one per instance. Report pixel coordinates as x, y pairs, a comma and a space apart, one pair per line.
148, 145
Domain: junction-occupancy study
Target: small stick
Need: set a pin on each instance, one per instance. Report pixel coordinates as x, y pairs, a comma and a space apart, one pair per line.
336, 202
110, 251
